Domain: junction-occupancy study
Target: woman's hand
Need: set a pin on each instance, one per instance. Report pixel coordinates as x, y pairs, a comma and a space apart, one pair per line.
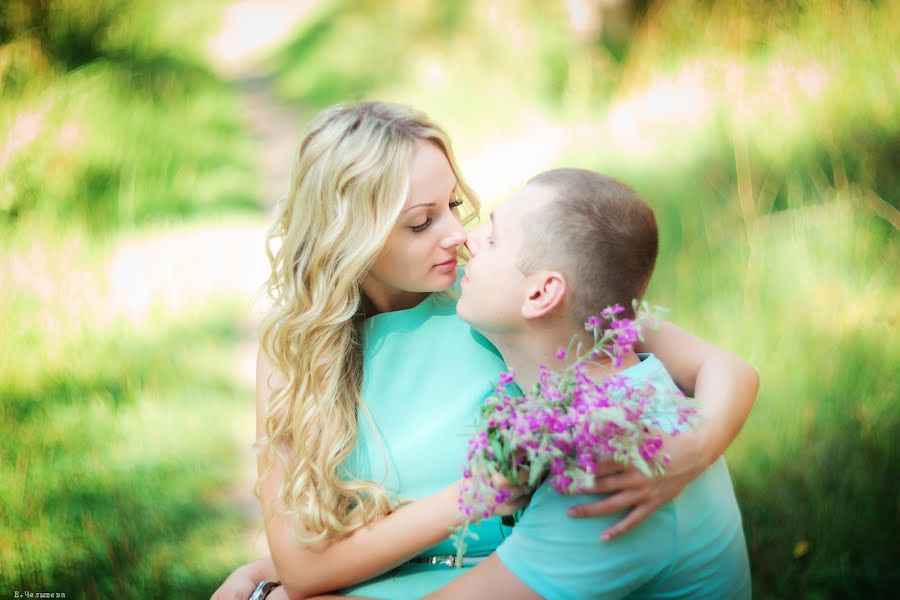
518, 494
238, 586
633, 490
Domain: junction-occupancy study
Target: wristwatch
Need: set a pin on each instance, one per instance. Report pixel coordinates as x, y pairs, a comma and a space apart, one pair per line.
262, 590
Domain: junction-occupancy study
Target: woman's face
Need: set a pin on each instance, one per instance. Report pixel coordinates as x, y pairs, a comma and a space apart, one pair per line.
420, 254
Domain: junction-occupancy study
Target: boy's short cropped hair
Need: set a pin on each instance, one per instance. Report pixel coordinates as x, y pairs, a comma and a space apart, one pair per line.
597, 232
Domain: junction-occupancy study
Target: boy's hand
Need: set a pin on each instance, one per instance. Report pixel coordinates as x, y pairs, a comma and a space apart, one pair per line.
629, 488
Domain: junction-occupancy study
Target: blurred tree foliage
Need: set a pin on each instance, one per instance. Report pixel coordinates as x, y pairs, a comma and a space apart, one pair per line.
62, 34
829, 69
97, 99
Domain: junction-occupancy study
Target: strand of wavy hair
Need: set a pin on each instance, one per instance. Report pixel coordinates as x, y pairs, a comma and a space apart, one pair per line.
326, 235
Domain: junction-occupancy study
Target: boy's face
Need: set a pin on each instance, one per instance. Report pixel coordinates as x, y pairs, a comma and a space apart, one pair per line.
493, 288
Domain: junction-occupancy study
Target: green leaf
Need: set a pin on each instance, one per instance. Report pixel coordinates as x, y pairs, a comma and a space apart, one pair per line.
609, 413
537, 473
501, 456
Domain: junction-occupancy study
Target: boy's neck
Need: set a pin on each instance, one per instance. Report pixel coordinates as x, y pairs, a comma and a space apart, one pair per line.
524, 352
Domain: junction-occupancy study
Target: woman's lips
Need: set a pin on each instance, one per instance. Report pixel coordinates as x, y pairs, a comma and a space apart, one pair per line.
446, 266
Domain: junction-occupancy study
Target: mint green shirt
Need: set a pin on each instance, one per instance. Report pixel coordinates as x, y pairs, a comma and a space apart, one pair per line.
426, 375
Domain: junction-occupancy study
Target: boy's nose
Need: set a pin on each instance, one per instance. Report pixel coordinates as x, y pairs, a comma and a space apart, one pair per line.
476, 239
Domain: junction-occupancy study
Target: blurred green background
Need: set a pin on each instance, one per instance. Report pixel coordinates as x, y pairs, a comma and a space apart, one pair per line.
142, 142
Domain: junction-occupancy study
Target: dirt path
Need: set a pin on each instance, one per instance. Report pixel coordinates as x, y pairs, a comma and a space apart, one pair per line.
248, 30
274, 125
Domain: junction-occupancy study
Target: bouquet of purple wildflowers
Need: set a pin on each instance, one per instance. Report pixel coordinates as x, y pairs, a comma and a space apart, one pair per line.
569, 421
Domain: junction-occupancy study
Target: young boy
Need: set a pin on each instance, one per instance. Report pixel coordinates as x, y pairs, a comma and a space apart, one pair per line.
569, 244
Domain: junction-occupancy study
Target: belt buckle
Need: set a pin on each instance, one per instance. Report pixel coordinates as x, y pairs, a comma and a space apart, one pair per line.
446, 560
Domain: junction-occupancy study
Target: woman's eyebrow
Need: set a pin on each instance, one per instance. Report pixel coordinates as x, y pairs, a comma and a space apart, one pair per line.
450, 195
417, 206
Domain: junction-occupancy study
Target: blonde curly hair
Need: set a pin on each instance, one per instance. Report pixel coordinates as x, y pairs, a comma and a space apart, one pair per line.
350, 181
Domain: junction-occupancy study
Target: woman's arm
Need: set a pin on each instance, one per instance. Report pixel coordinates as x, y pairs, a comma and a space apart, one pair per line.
243, 580
307, 570
342, 563
386, 543
725, 388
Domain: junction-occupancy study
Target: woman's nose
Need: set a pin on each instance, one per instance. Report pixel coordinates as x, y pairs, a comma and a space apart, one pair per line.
456, 237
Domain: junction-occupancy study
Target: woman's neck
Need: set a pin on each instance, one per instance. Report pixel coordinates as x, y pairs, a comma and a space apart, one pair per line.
377, 300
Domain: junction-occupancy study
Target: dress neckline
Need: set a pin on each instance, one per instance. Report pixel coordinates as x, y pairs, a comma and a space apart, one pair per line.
391, 320
431, 304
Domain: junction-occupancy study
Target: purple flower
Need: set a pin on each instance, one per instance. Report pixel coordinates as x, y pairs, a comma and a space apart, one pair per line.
610, 312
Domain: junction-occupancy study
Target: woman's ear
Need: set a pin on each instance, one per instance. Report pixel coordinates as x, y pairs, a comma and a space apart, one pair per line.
546, 292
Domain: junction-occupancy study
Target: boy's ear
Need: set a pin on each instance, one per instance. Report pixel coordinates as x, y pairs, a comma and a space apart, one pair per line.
544, 293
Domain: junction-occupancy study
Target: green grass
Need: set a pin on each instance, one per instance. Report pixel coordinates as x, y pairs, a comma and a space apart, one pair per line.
115, 476
122, 433
125, 431
814, 463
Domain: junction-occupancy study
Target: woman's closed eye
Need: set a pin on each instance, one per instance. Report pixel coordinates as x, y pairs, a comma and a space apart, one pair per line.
424, 225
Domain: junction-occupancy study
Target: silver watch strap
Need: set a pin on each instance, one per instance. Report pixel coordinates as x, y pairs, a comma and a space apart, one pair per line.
263, 588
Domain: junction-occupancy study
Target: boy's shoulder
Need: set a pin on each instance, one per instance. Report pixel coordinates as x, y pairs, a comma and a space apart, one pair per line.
650, 369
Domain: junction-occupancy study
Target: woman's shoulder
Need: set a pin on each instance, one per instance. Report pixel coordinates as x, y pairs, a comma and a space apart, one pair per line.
269, 380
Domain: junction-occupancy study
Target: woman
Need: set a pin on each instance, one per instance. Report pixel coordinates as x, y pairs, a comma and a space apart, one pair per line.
365, 373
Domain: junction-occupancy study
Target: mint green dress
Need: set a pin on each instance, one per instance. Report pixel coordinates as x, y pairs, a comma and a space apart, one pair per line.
426, 374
